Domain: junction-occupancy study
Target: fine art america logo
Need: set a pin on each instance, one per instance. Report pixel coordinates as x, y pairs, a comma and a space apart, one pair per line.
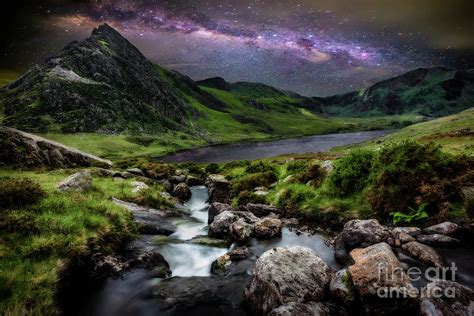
398, 276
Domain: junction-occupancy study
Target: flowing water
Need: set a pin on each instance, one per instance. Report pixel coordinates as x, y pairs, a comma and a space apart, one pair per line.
249, 151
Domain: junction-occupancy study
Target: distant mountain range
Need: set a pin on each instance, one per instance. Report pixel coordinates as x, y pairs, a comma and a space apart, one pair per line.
104, 84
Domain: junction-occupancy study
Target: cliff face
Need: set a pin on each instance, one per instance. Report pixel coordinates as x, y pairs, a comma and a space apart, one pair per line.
102, 83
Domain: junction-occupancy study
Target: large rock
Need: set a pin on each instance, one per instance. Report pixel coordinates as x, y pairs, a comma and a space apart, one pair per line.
220, 227
260, 210
138, 186
136, 171
219, 188
241, 231
380, 280
224, 264
31, 151
192, 181
268, 227
437, 240
182, 191
301, 309
446, 298
359, 234
424, 253
151, 260
78, 182
445, 228
215, 209
341, 287
285, 275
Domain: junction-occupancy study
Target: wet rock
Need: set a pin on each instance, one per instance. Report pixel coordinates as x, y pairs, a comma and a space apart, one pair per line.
107, 265
412, 231
359, 234
224, 264
78, 182
182, 192
376, 272
241, 231
301, 309
219, 188
177, 179
220, 227
268, 228
285, 275
260, 210
215, 209
445, 228
443, 297
200, 296
138, 186
211, 242
341, 287
151, 261
437, 240
424, 253
136, 171
193, 181
404, 238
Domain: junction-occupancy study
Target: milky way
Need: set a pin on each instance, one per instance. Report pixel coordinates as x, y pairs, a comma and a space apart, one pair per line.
311, 49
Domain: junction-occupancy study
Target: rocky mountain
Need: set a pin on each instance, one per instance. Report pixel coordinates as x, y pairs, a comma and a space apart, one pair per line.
99, 84
431, 92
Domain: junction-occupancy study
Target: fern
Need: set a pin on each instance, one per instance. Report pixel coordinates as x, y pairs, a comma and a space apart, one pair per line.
413, 216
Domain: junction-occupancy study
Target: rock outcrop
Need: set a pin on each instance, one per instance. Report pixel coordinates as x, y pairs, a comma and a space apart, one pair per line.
359, 234
78, 182
287, 275
219, 188
27, 150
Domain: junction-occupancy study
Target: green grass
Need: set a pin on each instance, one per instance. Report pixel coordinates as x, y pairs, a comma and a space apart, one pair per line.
36, 240
446, 131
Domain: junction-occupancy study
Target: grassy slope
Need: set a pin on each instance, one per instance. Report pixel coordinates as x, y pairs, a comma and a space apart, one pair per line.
36, 239
444, 131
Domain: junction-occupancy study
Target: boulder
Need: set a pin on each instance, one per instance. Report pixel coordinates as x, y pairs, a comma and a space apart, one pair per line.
215, 209
177, 179
260, 210
341, 287
424, 254
78, 182
445, 228
327, 166
359, 234
193, 181
285, 275
166, 185
182, 192
107, 265
136, 171
380, 281
219, 188
151, 260
220, 226
268, 227
301, 309
412, 231
437, 240
138, 186
241, 231
225, 263
443, 297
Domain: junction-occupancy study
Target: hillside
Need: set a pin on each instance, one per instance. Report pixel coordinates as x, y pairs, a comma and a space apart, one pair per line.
454, 132
430, 92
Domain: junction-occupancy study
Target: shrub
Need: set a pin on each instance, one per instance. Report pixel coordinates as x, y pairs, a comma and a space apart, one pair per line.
292, 197
351, 173
193, 168
408, 173
314, 174
414, 215
260, 166
17, 193
246, 197
212, 168
251, 181
296, 167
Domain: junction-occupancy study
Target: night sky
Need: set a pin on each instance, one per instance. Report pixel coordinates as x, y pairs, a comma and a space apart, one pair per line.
311, 47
